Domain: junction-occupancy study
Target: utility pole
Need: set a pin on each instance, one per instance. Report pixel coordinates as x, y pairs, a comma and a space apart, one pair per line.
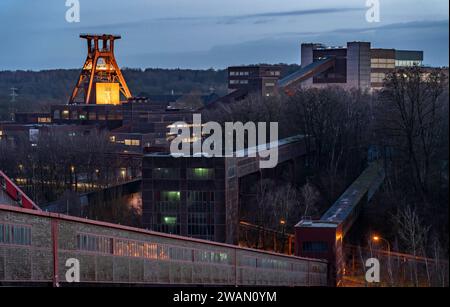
13, 100
13, 94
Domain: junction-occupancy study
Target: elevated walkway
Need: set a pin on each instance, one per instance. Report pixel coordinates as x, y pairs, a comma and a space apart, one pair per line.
306, 72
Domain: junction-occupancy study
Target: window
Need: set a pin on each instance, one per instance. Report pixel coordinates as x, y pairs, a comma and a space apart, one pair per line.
315, 246
170, 220
65, 114
403, 63
15, 234
74, 115
377, 77
210, 256
112, 138
201, 214
132, 142
93, 243
169, 196
56, 114
166, 173
44, 120
200, 173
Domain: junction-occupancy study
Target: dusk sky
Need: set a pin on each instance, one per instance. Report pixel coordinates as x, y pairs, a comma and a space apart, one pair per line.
213, 33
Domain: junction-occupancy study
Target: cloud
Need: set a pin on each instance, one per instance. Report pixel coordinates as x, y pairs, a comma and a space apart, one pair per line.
270, 16
259, 18
429, 36
425, 24
302, 12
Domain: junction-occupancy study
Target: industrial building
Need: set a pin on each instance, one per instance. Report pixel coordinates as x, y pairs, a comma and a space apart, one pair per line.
199, 197
356, 65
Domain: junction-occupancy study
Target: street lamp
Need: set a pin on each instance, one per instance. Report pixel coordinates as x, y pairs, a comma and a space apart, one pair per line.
377, 239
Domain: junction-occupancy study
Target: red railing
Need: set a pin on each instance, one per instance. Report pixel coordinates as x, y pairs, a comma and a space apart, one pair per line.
15, 193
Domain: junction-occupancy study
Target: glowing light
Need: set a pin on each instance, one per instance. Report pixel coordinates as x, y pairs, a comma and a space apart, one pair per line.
107, 93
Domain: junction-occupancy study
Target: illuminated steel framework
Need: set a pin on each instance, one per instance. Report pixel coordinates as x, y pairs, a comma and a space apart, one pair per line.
100, 68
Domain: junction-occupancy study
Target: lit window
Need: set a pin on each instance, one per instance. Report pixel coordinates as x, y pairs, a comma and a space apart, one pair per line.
44, 120
65, 114
170, 196
200, 173
131, 142
170, 220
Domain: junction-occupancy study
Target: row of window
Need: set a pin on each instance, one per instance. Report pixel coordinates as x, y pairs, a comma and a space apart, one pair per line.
200, 196
382, 61
131, 142
166, 173
192, 196
74, 115
141, 249
405, 63
377, 77
385, 66
239, 81
199, 173
15, 234
275, 264
239, 73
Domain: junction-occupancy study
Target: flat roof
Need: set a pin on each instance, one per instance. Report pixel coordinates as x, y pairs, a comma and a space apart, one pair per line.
244, 152
353, 195
317, 223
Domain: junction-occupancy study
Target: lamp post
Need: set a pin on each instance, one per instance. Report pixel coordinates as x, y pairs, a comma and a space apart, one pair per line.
376, 238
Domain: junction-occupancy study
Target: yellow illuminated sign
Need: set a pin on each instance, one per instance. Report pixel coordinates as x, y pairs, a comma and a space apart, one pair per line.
107, 93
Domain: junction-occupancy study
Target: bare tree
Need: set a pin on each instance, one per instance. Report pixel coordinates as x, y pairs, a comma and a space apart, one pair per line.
410, 114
